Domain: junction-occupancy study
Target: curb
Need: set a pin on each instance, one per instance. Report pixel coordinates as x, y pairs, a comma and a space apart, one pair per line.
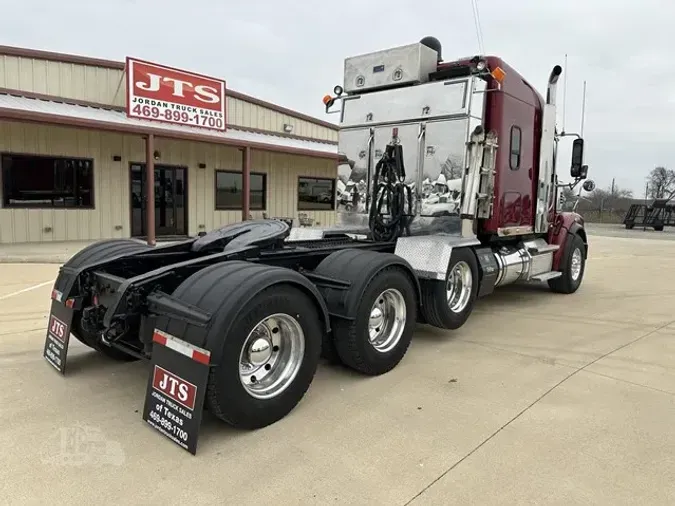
53, 257
35, 259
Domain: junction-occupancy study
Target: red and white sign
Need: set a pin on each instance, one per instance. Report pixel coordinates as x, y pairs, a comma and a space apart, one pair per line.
57, 328
159, 93
175, 387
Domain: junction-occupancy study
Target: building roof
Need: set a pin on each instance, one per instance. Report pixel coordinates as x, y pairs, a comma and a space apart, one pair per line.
38, 54
22, 108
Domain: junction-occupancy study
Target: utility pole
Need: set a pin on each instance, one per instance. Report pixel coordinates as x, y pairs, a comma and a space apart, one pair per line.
583, 111
564, 104
611, 196
644, 228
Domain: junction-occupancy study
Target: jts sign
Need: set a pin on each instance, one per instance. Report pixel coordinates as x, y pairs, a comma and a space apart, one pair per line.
159, 93
181, 391
174, 399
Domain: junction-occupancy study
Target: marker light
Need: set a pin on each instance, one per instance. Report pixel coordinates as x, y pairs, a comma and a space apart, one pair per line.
338, 90
498, 74
481, 65
327, 100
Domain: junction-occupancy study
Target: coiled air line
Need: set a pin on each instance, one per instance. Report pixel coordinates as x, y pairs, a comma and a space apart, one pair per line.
389, 191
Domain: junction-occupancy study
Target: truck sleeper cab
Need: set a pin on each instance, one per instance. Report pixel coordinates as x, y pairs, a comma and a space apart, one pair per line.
452, 189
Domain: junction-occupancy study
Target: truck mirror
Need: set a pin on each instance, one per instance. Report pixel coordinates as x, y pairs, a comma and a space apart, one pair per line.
577, 158
589, 185
584, 172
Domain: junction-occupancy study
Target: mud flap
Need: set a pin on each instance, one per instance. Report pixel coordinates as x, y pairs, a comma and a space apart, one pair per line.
174, 399
58, 333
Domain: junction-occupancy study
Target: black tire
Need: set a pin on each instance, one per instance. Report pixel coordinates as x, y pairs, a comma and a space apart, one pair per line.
227, 399
98, 252
567, 283
658, 228
94, 342
104, 250
435, 308
367, 271
351, 337
629, 226
229, 292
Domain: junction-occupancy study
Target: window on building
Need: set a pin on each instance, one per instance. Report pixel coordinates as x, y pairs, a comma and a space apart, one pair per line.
229, 190
316, 194
515, 147
31, 181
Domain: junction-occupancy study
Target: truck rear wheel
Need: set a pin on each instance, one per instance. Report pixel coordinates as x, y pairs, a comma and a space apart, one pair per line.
268, 361
448, 304
572, 266
378, 313
378, 338
264, 337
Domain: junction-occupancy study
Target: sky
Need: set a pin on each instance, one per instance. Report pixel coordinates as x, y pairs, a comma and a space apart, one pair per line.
292, 54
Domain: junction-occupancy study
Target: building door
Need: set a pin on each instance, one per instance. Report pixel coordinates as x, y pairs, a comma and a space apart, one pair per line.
170, 201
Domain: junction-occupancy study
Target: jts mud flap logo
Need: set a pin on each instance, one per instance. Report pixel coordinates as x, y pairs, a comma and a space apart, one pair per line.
58, 336
181, 391
58, 329
174, 401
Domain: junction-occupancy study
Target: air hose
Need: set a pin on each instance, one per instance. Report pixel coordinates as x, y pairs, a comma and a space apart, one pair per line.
390, 192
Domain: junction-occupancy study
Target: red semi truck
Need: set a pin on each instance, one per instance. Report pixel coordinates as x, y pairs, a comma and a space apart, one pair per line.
475, 124
450, 180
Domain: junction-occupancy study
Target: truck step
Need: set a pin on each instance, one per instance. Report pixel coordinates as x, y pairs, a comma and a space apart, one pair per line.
548, 248
547, 275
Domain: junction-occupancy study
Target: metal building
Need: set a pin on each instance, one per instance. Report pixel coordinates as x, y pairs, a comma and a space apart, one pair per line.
76, 164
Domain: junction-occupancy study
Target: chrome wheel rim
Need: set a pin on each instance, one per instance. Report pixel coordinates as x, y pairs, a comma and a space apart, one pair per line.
458, 287
387, 320
575, 268
271, 356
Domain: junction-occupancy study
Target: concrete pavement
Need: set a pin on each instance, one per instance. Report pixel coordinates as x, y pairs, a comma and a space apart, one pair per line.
539, 399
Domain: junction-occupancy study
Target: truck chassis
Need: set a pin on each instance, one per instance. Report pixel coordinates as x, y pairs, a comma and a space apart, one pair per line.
264, 308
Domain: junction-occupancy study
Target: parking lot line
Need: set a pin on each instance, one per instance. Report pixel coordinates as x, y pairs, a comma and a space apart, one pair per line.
24, 290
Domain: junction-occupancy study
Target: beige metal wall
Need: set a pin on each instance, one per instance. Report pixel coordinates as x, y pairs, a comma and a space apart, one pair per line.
107, 86
111, 217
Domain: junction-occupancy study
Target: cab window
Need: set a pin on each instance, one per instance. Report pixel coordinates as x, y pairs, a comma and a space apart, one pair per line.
515, 148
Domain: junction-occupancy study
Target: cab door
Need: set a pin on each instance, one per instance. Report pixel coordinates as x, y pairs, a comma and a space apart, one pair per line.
518, 160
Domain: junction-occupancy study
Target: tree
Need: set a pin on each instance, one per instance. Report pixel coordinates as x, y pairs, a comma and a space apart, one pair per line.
567, 193
610, 198
661, 183
567, 197
452, 167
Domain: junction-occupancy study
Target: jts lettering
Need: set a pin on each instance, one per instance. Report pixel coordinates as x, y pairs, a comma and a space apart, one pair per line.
175, 387
203, 93
57, 328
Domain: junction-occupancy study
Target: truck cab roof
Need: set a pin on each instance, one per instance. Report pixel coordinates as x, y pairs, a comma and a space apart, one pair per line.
513, 83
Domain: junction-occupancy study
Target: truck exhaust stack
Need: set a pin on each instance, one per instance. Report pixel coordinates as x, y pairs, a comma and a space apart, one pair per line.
553, 85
